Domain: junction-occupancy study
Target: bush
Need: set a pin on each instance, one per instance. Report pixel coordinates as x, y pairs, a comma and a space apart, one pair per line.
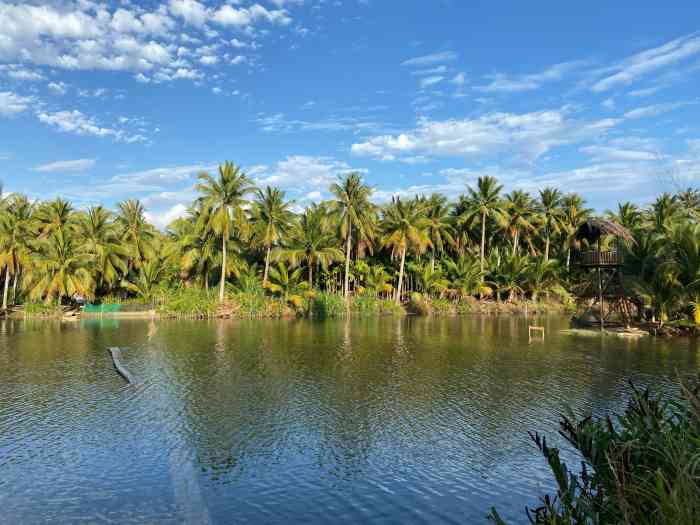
326, 305
642, 468
193, 302
369, 305
42, 309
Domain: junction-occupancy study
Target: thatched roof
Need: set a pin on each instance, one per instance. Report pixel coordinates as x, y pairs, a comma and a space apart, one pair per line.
597, 227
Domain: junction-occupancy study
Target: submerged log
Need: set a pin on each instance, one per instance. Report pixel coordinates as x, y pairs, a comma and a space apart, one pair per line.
121, 369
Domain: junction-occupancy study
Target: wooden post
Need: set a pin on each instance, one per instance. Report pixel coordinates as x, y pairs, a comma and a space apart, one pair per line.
116, 353
531, 329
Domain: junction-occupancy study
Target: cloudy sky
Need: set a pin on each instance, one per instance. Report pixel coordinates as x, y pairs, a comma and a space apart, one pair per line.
105, 101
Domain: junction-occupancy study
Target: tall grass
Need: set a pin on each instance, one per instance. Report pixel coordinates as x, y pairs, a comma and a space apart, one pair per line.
641, 468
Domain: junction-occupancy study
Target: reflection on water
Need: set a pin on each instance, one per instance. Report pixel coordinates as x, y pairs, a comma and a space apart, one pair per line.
390, 420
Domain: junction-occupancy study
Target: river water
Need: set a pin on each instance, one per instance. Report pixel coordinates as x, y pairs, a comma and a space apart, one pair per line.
413, 420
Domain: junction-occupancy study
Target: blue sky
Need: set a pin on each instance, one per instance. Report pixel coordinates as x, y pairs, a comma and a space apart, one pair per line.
105, 101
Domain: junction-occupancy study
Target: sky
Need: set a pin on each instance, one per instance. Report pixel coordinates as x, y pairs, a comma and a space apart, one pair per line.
100, 102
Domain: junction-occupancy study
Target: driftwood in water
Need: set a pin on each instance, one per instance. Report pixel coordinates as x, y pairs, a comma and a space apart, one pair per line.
116, 355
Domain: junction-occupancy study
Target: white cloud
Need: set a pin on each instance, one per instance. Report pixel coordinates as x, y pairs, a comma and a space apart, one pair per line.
524, 136
191, 11
430, 81
505, 83
64, 166
459, 79
58, 88
280, 123
646, 62
11, 103
227, 15
78, 123
301, 174
429, 60
608, 103
646, 92
162, 218
439, 70
654, 110
609, 153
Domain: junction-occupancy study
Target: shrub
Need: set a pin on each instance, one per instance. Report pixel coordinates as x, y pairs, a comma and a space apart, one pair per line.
326, 305
642, 468
189, 302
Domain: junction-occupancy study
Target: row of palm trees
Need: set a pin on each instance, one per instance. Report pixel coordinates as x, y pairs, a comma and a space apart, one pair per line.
486, 243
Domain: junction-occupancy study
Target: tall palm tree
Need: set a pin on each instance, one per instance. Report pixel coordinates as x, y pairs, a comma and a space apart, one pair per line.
466, 276
272, 220
485, 203
135, 232
54, 217
15, 230
224, 196
551, 215
440, 230
519, 216
312, 241
663, 212
628, 215
100, 239
574, 213
195, 249
354, 211
59, 269
405, 227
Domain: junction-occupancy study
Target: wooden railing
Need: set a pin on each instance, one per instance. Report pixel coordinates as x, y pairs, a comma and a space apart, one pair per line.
599, 258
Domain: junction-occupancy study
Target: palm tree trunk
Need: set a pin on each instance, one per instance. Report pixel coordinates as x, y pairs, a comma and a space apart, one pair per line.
546, 247
7, 286
267, 264
346, 286
432, 261
14, 287
222, 284
483, 239
398, 290
311, 275
515, 243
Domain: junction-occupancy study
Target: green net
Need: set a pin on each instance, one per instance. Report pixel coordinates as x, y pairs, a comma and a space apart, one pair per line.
101, 308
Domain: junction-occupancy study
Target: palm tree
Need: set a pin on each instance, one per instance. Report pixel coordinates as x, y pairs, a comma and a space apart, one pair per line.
354, 210
484, 202
689, 201
551, 215
520, 215
663, 212
195, 250
311, 241
289, 286
15, 228
574, 213
60, 269
628, 215
146, 283
272, 220
100, 240
54, 217
135, 232
224, 196
405, 227
466, 276
541, 276
440, 230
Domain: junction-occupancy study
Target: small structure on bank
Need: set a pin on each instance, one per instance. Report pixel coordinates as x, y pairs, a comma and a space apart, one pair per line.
600, 253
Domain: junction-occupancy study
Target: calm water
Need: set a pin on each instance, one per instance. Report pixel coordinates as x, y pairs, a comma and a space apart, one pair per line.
394, 421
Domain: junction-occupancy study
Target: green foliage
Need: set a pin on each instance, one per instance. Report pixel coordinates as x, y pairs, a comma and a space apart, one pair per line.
189, 302
328, 306
642, 467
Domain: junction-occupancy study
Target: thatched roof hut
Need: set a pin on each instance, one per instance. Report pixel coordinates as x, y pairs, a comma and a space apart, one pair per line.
596, 227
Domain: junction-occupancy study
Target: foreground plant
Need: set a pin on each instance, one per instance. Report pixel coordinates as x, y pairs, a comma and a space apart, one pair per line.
642, 467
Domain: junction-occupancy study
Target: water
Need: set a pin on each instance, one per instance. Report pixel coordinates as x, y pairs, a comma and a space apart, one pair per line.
385, 420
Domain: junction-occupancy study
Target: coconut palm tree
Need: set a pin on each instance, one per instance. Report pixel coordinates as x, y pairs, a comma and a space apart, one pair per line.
54, 217
59, 269
628, 215
15, 232
289, 286
440, 229
99, 236
466, 277
405, 227
574, 213
147, 281
225, 197
272, 220
551, 215
663, 212
312, 241
519, 216
484, 202
135, 232
354, 211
